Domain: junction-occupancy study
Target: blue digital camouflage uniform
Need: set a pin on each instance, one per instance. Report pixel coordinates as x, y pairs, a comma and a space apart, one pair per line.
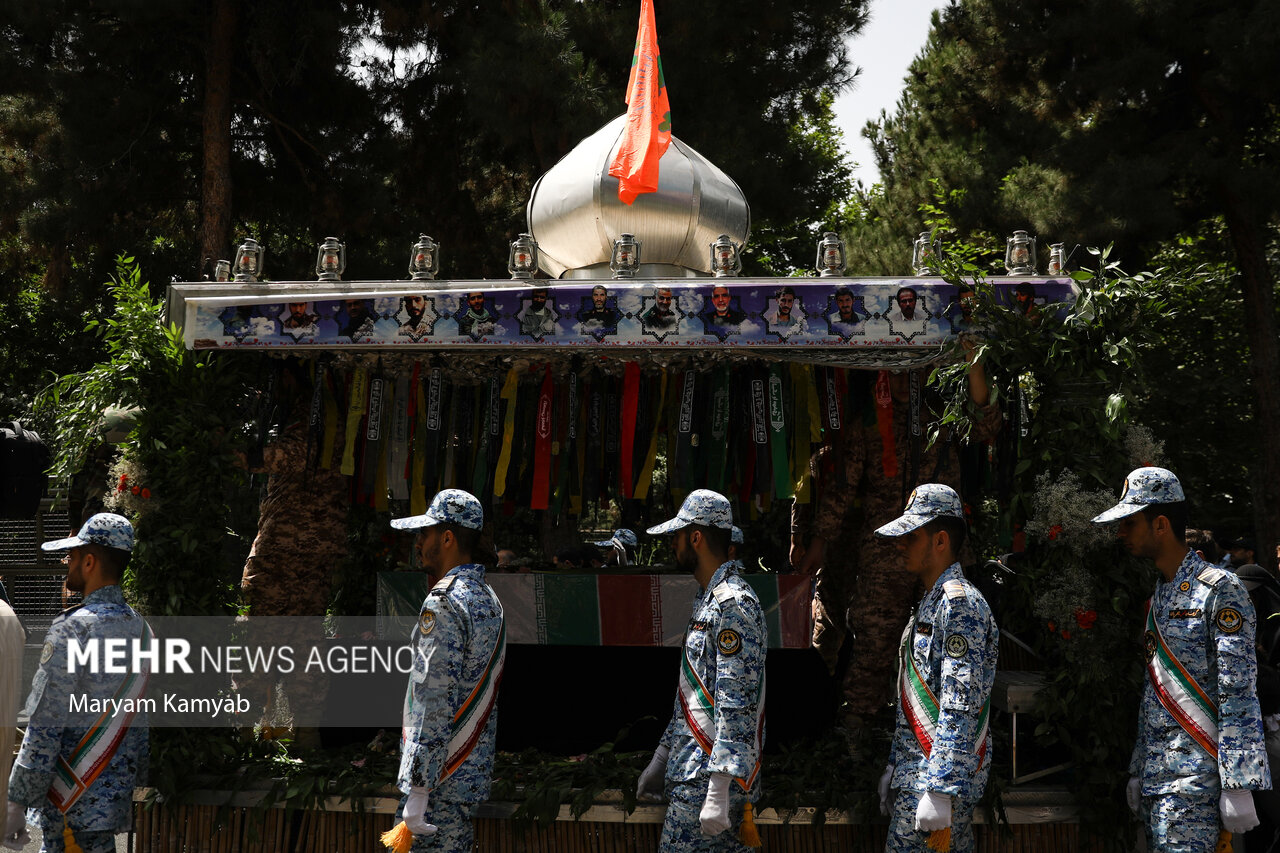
106, 807
458, 627
954, 642
726, 643
1208, 622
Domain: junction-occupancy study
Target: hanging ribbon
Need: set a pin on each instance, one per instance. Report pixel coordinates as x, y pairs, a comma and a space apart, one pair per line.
382, 458
650, 458
835, 419
568, 444
355, 413
718, 453
801, 388
417, 488
630, 402
398, 457
332, 410
592, 463
914, 431
490, 429
612, 402
543, 428
370, 459
884, 422
509, 390
759, 438
682, 462
778, 434
315, 415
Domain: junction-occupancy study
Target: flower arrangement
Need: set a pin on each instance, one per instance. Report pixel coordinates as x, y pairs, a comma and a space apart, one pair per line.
127, 492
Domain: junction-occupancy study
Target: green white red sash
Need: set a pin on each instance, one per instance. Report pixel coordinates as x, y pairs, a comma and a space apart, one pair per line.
472, 716
75, 775
920, 706
699, 707
1178, 692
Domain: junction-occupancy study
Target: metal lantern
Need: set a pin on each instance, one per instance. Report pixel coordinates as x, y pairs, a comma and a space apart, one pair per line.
248, 265
222, 271
424, 259
830, 255
1020, 254
922, 254
625, 259
1057, 258
522, 261
726, 257
331, 260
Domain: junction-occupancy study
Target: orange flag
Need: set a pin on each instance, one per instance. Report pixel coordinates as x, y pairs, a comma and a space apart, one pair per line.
647, 132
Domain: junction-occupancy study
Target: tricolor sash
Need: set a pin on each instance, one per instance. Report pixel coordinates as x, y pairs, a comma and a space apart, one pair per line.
75, 775
1178, 692
920, 706
699, 708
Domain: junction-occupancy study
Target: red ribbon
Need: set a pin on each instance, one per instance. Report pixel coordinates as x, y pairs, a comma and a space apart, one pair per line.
884, 421
630, 405
543, 431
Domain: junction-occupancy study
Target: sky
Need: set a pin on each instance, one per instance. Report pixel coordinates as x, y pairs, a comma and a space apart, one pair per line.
883, 50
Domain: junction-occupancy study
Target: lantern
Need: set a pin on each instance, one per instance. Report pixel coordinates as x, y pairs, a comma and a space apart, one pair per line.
830, 255
922, 254
1057, 259
424, 259
222, 271
248, 265
726, 257
625, 259
1020, 254
522, 261
331, 260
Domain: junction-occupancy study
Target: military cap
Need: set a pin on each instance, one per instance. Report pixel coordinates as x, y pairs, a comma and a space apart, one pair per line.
1144, 487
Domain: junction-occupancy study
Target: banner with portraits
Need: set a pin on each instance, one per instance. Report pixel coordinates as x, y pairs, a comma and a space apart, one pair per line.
665, 313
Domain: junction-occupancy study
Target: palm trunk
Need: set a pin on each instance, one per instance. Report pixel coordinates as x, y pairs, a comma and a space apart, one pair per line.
215, 184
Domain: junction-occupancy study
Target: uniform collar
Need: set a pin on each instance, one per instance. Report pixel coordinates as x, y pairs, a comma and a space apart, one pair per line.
727, 568
1189, 568
109, 594
952, 572
471, 570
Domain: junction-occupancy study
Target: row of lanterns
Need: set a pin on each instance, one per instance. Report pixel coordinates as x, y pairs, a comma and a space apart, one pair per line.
624, 261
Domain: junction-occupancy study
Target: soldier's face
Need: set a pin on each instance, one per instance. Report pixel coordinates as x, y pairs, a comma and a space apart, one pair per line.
686, 558
430, 557
1137, 537
914, 548
75, 569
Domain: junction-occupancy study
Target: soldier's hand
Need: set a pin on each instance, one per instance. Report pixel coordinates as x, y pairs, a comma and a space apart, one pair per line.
1238, 813
883, 789
653, 777
415, 810
714, 816
1133, 794
934, 812
813, 556
15, 827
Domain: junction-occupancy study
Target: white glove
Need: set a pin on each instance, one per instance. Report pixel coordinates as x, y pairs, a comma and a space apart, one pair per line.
886, 802
15, 827
1238, 814
934, 812
415, 810
653, 777
714, 816
1133, 794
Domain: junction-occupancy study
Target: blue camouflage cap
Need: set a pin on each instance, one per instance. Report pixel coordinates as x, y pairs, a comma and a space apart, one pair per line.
735, 535
105, 528
1142, 488
703, 507
927, 502
450, 506
620, 537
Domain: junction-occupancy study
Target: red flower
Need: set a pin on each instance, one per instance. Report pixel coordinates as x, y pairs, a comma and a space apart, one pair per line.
123, 478
136, 489
1055, 532
1052, 628
1066, 635
146, 494
1086, 618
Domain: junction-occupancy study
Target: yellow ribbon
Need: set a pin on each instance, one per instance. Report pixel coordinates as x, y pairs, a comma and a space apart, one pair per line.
646, 473
508, 434
355, 411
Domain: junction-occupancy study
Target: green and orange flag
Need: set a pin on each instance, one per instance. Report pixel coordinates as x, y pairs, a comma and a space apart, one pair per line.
647, 132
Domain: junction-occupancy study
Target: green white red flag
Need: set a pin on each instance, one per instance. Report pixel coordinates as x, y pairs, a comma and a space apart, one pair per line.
647, 131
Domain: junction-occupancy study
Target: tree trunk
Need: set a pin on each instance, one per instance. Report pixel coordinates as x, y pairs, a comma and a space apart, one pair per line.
215, 183
1248, 238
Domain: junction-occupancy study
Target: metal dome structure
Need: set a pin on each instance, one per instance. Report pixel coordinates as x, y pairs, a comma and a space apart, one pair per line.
575, 215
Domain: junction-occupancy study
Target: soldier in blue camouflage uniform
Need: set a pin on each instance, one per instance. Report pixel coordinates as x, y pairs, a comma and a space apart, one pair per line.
459, 644
708, 759
1200, 749
941, 753
96, 560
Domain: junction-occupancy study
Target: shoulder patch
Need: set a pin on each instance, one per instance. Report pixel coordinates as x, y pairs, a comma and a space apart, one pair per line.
1211, 576
427, 622
954, 589
723, 592
46, 653
1229, 620
957, 646
729, 642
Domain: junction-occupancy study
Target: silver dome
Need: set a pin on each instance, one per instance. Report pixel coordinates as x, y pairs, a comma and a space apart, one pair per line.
575, 215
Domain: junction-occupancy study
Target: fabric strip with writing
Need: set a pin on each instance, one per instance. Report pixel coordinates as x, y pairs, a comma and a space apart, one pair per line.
398, 456
884, 423
627, 438
567, 451
718, 452
417, 486
378, 494
685, 426
801, 387
594, 441
510, 387
356, 401
333, 406
315, 414
778, 446
435, 427
651, 456
760, 434
543, 431
612, 439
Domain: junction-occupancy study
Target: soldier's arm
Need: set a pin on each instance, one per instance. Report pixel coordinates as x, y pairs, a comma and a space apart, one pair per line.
1242, 756
48, 705
953, 761
740, 644
437, 665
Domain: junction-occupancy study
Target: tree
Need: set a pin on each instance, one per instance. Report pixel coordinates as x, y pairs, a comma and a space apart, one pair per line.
1131, 132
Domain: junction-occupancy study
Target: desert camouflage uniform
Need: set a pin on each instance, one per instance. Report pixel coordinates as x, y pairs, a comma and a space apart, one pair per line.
725, 644
106, 807
1208, 623
954, 643
302, 537
458, 627
876, 592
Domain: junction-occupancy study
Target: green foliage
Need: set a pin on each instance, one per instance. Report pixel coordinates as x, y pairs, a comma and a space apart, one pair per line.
191, 410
